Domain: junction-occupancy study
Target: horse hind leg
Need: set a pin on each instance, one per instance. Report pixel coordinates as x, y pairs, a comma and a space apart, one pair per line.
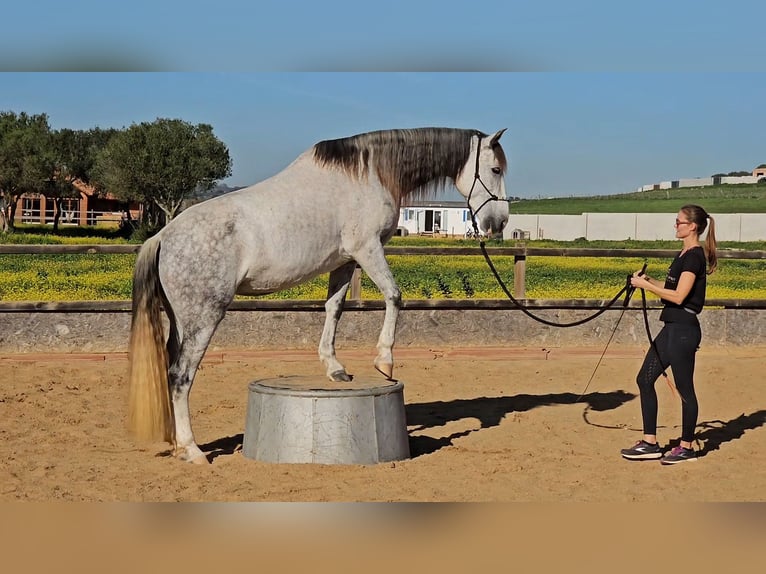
185, 355
337, 288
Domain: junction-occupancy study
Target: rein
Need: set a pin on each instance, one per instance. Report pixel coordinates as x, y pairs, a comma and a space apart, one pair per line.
628, 290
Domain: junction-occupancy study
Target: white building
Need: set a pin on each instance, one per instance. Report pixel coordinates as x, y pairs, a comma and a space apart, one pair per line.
450, 218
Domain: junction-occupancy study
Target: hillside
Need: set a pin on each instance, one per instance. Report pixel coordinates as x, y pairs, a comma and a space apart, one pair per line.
219, 189
715, 199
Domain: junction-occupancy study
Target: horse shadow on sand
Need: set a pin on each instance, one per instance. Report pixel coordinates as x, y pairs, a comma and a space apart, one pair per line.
490, 411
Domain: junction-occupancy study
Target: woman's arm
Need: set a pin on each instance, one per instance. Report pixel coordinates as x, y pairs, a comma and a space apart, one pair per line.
677, 295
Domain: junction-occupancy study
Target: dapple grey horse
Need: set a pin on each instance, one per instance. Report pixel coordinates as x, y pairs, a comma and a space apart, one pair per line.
334, 207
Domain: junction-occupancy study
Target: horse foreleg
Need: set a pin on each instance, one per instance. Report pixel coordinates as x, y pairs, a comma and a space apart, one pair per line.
336, 293
374, 264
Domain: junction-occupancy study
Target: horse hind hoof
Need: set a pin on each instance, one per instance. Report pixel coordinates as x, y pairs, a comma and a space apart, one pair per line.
385, 369
194, 458
340, 377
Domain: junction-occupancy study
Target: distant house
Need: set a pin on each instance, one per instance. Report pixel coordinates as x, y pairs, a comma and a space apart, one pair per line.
449, 218
759, 172
88, 209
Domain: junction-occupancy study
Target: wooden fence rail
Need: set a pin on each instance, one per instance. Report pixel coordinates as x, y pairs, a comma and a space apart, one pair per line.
519, 253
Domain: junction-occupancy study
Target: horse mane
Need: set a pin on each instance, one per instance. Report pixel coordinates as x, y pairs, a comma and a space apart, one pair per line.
416, 162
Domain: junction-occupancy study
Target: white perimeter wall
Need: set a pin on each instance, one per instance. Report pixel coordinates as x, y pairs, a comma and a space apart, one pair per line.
619, 226
740, 179
695, 182
592, 226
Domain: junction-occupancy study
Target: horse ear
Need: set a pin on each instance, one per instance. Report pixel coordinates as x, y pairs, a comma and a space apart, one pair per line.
495, 138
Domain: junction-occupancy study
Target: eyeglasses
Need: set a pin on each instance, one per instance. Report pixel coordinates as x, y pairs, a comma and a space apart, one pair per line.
683, 222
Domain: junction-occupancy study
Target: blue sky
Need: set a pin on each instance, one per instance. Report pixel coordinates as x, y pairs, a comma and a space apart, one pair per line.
389, 35
572, 133
598, 96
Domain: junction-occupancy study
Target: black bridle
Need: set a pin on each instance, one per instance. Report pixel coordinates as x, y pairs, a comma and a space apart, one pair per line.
492, 196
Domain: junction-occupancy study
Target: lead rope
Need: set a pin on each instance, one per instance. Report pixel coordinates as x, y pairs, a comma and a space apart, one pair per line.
598, 364
483, 247
627, 289
653, 345
526, 311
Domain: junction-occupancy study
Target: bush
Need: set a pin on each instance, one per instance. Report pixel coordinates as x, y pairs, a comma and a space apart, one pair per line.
143, 232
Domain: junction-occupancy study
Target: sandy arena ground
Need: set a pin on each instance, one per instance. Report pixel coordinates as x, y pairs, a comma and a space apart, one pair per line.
485, 424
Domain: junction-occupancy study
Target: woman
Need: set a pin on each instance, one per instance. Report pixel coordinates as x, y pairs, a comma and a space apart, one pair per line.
683, 295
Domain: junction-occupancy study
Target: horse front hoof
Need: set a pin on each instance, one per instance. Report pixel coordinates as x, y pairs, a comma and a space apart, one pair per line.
340, 377
385, 369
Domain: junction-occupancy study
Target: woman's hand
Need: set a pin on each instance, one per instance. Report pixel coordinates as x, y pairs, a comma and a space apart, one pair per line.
640, 281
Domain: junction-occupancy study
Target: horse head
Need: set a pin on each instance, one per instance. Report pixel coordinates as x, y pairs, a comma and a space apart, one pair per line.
482, 182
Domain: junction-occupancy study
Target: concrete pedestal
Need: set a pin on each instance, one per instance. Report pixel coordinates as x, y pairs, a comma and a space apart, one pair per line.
313, 420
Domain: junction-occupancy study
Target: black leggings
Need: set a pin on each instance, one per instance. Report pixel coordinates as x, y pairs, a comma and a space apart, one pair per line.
677, 345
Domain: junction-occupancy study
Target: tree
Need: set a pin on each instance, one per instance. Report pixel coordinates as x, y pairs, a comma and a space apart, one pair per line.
24, 160
73, 156
160, 164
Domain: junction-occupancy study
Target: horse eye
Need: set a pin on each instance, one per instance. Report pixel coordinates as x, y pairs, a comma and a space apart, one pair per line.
497, 170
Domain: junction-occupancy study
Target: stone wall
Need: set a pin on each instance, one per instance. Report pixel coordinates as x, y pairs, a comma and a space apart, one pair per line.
108, 331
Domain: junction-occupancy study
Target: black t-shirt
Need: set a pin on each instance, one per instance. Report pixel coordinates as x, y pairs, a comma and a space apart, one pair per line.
693, 261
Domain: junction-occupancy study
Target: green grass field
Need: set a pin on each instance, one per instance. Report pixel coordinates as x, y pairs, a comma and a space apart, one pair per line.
744, 198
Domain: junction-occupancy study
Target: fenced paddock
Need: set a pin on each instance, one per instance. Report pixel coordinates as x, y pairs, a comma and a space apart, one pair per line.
493, 404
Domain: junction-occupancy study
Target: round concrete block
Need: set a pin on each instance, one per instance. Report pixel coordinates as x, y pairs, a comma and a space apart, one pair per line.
310, 419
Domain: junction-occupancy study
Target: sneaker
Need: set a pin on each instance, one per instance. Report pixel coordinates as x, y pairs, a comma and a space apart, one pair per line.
679, 454
642, 450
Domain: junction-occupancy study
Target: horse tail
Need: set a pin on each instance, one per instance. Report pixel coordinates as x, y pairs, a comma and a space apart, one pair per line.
150, 411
